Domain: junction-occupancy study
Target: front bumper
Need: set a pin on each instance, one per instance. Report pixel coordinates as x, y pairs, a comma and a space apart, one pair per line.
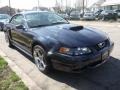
74, 17
88, 18
78, 63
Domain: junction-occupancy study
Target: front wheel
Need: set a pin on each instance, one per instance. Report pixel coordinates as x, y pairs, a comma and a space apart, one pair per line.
39, 55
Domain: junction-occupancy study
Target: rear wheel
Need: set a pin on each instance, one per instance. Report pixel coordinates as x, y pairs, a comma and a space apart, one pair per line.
39, 55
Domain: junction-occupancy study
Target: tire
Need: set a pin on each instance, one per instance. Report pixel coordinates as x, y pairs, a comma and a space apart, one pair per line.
41, 61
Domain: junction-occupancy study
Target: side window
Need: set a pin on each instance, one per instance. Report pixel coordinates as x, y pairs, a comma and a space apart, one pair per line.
17, 20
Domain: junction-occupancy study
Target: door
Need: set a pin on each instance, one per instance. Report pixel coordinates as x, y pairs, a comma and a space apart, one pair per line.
20, 36
14, 32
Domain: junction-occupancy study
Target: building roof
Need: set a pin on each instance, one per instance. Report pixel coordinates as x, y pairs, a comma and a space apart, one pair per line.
98, 3
111, 2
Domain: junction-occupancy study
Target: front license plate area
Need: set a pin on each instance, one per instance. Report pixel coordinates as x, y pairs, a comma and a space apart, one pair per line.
105, 55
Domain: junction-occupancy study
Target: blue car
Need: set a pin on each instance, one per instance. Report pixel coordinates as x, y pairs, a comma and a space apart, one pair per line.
54, 43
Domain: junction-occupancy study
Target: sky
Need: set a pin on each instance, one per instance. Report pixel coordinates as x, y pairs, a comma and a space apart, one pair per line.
29, 4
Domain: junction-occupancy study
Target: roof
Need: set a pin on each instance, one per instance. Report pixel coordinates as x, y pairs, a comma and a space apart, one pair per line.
111, 2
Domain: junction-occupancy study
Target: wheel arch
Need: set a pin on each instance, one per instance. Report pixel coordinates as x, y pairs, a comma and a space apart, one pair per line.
44, 47
34, 43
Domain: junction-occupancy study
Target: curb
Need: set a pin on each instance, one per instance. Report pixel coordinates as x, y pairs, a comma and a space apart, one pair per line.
25, 78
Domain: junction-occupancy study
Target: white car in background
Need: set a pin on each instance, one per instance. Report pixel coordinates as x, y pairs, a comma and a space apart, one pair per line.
75, 15
88, 16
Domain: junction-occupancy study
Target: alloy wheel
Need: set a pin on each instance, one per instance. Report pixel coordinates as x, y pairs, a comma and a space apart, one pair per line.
38, 55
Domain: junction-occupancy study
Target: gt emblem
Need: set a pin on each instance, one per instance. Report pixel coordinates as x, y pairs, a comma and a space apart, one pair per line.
101, 45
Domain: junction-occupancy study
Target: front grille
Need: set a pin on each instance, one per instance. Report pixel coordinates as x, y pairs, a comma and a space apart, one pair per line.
105, 44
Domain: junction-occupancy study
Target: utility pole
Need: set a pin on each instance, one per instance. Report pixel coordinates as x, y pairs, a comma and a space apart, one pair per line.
66, 4
76, 5
10, 7
83, 7
56, 2
86, 3
61, 5
38, 5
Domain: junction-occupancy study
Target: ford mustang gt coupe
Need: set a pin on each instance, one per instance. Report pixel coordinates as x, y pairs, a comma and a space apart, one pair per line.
54, 43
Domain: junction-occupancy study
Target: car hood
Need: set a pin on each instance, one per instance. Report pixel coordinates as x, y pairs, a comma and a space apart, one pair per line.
71, 35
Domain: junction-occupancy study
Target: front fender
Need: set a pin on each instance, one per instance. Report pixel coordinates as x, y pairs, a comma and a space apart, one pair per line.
45, 42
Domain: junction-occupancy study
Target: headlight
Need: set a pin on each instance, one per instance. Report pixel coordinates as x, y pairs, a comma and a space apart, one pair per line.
76, 51
84, 50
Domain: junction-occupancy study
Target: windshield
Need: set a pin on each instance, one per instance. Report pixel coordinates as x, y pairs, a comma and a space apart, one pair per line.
43, 19
4, 16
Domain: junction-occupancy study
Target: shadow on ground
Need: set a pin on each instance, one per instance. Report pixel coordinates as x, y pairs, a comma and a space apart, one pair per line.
105, 77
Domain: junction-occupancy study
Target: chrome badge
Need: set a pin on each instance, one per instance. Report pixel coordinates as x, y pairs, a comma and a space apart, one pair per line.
101, 45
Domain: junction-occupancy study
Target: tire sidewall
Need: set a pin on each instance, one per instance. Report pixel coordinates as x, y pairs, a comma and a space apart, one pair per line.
47, 68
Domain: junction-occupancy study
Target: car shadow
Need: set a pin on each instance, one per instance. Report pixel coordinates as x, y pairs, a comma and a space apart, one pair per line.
105, 77
24, 54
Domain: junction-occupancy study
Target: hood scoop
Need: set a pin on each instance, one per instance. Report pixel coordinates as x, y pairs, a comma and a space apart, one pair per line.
76, 28
71, 27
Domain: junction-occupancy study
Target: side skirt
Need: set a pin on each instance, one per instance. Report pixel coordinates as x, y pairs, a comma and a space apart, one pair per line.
22, 49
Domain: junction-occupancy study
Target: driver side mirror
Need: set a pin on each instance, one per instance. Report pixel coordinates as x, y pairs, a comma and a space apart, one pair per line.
21, 27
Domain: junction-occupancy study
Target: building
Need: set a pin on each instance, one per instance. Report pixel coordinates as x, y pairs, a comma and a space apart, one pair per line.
97, 5
111, 5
